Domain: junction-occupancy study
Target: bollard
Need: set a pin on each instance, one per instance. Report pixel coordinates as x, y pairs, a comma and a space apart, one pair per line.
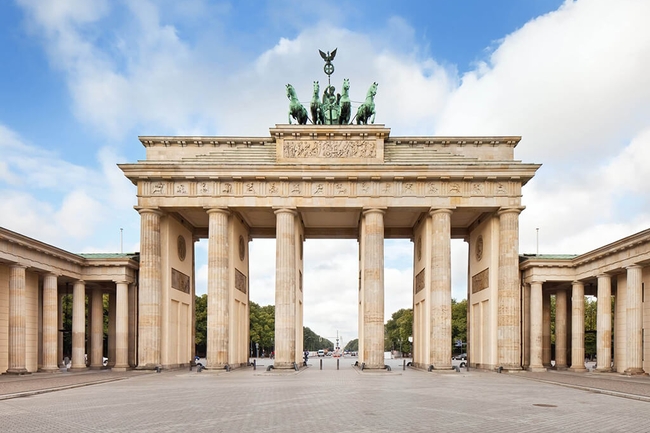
321, 364
337, 363
404, 364
254, 364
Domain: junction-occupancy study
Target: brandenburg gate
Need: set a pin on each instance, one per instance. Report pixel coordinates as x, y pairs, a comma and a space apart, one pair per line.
328, 181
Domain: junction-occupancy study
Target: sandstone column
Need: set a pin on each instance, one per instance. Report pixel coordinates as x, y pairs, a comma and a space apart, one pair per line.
536, 326
121, 326
546, 329
97, 330
150, 291
218, 288
78, 325
634, 316
373, 299
111, 329
577, 326
560, 330
441, 289
285, 288
50, 321
604, 324
508, 327
17, 321
59, 335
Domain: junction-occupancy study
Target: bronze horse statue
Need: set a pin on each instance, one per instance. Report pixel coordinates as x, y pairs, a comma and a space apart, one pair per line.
367, 109
346, 106
317, 116
296, 109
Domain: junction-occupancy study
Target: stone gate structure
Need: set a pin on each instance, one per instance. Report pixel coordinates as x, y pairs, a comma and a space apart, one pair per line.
328, 181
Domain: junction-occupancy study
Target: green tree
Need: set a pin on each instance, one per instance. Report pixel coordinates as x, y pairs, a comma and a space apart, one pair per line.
313, 341
262, 326
459, 322
201, 323
352, 346
398, 330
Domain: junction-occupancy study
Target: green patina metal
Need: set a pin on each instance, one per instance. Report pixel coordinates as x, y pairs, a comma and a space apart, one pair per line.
332, 108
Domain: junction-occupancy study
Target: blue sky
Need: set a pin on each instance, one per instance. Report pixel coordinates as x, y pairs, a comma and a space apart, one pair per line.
82, 79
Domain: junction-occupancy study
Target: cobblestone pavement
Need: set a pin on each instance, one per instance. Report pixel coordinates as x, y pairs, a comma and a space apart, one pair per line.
346, 400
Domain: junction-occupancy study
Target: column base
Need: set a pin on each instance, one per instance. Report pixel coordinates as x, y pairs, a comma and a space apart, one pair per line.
283, 365
578, 369
49, 370
120, 368
18, 371
537, 369
635, 372
148, 367
77, 368
561, 367
603, 370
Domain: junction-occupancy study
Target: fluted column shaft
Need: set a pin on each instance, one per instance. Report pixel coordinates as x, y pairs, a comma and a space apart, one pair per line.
604, 324
546, 329
111, 329
577, 326
121, 325
536, 325
560, 329
79, 325
150, 291
373, 278
50, 321
218, 288
441, 288
508, 332
17, 321
285, 288
97, 330
634, 316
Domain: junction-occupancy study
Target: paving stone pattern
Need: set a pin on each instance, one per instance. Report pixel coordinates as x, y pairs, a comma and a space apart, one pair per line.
325, 400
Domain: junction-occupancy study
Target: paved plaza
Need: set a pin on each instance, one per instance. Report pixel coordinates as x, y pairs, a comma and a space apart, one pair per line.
312, 400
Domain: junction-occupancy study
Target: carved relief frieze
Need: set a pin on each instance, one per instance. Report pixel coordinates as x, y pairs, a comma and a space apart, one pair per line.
332, 188
419, 281
204, 188
181, 188
240, 281
329, 149
180, 281
481, 281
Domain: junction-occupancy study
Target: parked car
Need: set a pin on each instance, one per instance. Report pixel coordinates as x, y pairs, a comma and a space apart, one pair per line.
321, 353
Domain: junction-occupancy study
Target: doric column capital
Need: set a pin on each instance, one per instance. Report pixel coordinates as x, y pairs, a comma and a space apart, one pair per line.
437, 210
515, 209
381, 210
291, 210
18, 266
603, 275
576, 282
634, 266
143, 210
223, 210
